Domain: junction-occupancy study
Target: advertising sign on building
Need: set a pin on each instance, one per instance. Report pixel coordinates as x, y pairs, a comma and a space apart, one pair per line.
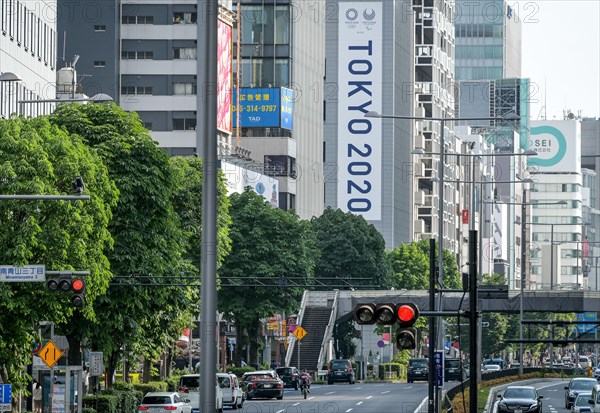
558, 146
224, 70
360, 90
239, 178
264, 108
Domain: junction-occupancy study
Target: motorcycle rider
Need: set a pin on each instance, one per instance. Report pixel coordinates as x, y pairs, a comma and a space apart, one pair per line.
307, 379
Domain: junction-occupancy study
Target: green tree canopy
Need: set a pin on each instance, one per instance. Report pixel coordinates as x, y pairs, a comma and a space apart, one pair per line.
266, 243
39, 158
350, 249
138, 310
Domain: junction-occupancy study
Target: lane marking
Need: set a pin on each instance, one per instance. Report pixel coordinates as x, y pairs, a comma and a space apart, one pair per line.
349, 410
296, 404
312, 397
280, 411
357, 388
384, 392
420, 406
368, 397
359, 403
331, 392
409, 387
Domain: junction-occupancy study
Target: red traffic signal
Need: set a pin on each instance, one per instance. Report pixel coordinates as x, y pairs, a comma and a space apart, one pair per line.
407, 314
77, 288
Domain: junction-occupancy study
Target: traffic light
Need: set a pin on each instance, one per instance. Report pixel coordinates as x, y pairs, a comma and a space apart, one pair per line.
66, 283
388, 314
406, 336
78, 288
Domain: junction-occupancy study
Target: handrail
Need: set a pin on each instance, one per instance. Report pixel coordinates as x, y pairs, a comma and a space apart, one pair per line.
328, 332
292, 342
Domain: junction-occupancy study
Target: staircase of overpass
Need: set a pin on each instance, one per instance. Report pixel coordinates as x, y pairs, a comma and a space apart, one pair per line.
318, 313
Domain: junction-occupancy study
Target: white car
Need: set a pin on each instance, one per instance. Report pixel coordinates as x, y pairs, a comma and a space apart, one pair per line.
581, 403
189, 388
233, 395
164, 402
490, 367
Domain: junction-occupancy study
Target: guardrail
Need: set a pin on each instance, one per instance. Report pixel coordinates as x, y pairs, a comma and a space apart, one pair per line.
292, 343
328, 331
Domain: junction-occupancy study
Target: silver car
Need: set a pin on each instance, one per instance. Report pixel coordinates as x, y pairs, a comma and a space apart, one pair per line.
167, 402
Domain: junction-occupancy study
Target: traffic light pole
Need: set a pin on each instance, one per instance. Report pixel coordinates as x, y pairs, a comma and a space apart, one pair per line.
432, 320
473, 362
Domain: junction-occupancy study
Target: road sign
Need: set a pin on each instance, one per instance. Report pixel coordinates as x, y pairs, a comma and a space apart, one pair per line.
96, 363
380, 344
5, 397
300, 333
27, 273
50, 354
439, 367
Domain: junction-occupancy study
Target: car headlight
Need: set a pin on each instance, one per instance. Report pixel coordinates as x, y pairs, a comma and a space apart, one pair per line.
533, 406
502, 405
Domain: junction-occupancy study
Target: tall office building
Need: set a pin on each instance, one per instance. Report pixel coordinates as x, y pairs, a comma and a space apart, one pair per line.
368, 167
144, 53
28, 51
488, 40
590, 168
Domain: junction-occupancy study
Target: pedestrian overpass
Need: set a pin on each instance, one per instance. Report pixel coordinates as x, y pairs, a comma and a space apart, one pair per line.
322, 310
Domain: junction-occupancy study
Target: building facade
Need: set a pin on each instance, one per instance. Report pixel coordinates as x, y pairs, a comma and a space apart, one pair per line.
28, 50
368, 167
147, 55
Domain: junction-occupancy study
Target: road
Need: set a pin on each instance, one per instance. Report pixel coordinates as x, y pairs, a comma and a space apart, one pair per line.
345, 398
554, 397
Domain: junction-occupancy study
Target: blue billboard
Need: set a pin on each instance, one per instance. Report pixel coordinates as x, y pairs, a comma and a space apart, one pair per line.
264, 108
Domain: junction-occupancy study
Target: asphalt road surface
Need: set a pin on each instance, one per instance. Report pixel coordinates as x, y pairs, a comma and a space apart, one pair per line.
345, 398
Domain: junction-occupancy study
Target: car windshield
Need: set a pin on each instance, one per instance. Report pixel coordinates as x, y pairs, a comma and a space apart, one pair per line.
582, 399
453, 364
156, 400
418, 363
223, 382
284, 371
519, 393
336, 365
583, 384
189, 382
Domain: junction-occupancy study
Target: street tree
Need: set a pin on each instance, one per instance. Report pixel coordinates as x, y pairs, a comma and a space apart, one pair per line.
410, 267
137, 310
38, 158
267, 245
352, 251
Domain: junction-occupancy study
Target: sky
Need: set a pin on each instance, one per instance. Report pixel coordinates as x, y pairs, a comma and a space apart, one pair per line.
561, 56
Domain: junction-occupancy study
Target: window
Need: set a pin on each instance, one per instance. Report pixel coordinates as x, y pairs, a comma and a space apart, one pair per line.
185, 17
137, 55
184, 53
136, 90
99, 63
99, 28
137, 19
184, 124
184, 88
148, 125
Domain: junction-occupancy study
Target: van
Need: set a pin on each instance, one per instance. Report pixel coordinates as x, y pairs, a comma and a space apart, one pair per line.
233, 395
189, 388
595, 399
584, 362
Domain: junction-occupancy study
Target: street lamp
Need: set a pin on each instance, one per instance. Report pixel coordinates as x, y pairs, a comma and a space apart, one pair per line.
472, 258
523, 266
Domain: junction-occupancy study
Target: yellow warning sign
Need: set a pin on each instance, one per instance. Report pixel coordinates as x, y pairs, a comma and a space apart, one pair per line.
50, 354
299, 332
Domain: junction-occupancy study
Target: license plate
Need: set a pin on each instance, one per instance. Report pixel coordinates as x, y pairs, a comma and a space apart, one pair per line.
267, 386
518, 411
337, 373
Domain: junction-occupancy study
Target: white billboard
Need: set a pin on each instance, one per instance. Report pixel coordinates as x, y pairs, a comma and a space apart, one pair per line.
558, 145
360, 75
238, 178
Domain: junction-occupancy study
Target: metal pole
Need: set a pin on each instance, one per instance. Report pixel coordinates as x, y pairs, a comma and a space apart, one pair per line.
523, 275
299, 353
473, 362
440, 326
551, 288
208, 352
362, 357
432, 321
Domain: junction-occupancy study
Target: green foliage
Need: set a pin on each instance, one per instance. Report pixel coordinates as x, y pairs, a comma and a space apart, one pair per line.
343, 334
267, 243
350, 248
172, 383
127, 401
410, 267
239, 371
39, 158
399, 370
88, 410
107, 403
152, 386
149, 244
402, 357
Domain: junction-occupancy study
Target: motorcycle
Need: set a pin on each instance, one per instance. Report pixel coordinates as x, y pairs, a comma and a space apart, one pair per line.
304, 387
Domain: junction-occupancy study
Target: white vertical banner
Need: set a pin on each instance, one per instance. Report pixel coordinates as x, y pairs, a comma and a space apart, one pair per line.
360, 82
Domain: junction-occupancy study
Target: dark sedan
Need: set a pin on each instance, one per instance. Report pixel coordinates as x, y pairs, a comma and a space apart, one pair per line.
576, 386
418, 369
289, 375
263, 384
517, 399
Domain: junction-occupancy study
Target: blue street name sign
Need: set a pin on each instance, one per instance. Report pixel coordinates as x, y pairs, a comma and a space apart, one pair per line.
439, 367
